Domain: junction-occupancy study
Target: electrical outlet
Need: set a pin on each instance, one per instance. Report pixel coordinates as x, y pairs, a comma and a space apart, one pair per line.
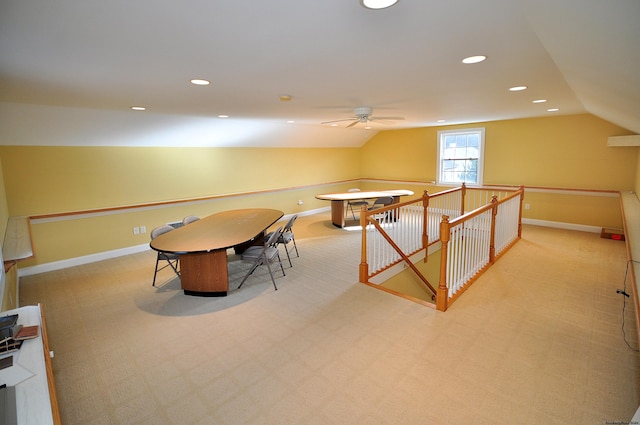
527, 206
136, 230
143, 229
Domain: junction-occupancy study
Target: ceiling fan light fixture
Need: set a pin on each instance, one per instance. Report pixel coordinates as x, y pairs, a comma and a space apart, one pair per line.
377, 4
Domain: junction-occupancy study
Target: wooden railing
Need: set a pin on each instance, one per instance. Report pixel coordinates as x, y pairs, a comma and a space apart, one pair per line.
470, 242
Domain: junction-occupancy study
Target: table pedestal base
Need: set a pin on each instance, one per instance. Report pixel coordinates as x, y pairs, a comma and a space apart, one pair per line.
205, 274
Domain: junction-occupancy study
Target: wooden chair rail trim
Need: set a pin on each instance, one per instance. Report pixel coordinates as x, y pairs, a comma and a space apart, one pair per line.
301, 187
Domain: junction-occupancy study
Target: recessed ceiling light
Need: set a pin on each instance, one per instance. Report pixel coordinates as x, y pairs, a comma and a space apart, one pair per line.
474, 59
138, 108
290, 122
518, 88
441, 121
368, 127
199, 82
553, 110
539, 100
378, 4
223, 116
334, 125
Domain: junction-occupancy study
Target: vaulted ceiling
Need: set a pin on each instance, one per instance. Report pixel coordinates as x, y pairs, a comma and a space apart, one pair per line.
329, 56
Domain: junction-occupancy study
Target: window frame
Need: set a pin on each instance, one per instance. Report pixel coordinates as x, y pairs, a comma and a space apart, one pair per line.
440, 144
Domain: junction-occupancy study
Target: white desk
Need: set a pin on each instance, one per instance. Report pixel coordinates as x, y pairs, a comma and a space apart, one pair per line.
338, 199
33, 400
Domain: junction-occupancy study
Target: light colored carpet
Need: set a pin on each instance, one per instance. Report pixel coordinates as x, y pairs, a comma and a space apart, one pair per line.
536, 340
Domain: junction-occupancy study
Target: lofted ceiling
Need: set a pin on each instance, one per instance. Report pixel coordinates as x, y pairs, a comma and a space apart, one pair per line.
101, 57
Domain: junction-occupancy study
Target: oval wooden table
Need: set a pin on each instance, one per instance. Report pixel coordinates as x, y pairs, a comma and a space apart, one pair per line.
202, 246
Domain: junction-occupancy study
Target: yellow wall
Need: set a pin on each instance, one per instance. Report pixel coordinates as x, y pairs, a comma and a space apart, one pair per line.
563, 151
42, 180
555, 152
560, 152
58, 179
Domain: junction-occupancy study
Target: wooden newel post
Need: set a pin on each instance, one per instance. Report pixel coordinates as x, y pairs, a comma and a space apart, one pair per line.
442, 297
492, 244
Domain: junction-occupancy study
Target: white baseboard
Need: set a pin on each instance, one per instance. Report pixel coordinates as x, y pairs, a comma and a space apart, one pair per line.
86, 259
78, 261
561, 225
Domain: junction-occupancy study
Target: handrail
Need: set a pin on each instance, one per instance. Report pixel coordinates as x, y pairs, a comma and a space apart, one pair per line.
487, 231
458, 269
411, 232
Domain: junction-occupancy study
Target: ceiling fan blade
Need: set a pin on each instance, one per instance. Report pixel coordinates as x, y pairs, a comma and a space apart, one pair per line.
385, 118
353, 123
331, 122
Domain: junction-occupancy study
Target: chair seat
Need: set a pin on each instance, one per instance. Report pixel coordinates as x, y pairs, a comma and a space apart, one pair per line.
285, 237
253, 253
167, 255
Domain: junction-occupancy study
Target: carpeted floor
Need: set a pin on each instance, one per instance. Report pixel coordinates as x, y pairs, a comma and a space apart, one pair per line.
536, 340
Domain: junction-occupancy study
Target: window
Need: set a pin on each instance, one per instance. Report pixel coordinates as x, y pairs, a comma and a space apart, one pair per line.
460, 156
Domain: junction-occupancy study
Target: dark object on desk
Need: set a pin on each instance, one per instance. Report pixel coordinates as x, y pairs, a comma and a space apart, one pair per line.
9, 332
8, 411
8, 321
6, 362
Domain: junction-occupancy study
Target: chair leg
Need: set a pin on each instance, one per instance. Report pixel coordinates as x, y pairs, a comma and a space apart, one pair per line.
155, 273
295, 246
253, 268
271, 274
286, 249
281, 268
174, 266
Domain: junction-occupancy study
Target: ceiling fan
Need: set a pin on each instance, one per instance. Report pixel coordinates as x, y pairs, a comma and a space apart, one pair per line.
363, 115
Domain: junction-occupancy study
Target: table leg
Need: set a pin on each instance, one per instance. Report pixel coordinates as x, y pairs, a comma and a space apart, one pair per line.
205, 273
